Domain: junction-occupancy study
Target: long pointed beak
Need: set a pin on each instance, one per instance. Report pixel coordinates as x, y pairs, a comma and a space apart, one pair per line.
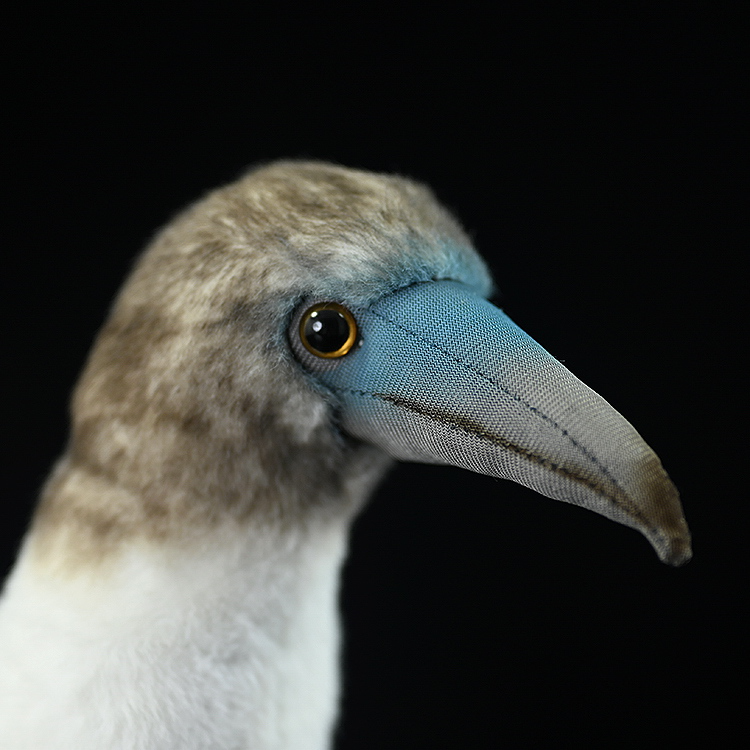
443, 376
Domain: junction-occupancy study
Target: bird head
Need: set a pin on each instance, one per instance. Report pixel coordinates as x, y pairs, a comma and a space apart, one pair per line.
309, 314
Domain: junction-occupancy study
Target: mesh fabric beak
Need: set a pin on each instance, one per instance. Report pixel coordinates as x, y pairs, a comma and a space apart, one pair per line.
443, 376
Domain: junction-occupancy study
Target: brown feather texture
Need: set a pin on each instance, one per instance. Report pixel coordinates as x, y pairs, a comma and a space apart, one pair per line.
189, 411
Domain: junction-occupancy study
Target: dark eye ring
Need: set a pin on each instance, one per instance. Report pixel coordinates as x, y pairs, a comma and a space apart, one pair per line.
328, 330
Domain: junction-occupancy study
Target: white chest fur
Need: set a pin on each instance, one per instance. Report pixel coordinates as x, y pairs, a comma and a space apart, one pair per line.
228, 644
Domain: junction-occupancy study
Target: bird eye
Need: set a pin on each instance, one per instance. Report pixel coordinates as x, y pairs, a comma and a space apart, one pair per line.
328, 330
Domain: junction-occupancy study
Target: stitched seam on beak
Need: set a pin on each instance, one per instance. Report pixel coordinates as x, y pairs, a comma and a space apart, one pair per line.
590, 456
620, 500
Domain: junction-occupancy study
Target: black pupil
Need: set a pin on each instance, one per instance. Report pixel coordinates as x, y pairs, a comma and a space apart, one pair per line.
326, 330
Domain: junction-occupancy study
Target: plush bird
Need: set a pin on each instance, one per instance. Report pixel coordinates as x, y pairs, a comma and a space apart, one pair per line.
276, 347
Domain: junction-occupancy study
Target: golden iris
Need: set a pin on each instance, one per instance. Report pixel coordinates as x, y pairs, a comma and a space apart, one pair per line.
328, 330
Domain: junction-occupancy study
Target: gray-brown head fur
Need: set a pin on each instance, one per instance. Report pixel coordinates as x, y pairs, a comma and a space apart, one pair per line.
191, 408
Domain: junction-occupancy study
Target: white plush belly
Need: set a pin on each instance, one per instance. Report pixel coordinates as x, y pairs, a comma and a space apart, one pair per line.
174, 657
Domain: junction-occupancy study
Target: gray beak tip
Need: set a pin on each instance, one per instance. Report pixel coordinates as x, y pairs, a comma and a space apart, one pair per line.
677, 551
670, 537
669, 533
660, 515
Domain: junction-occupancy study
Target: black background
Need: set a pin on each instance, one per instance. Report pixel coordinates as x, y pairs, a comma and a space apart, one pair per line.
597, 157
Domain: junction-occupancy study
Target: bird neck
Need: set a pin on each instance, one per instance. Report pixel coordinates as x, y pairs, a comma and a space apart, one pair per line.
171, 490
231, 631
